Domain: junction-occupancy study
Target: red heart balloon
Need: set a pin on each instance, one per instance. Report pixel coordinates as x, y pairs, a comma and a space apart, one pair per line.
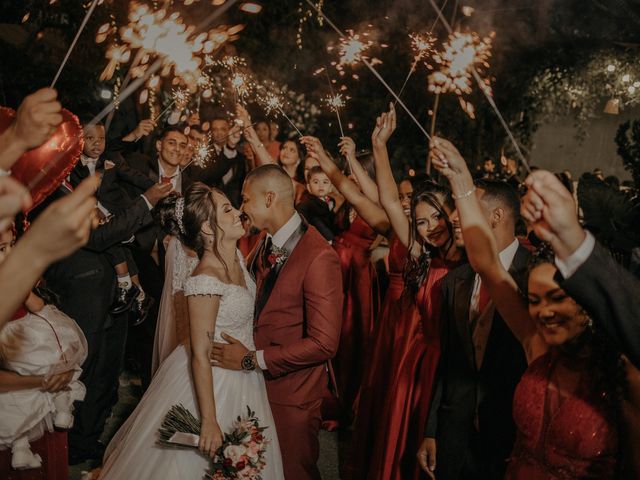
43, 169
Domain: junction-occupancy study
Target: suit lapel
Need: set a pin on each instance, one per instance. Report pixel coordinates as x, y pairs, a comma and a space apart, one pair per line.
153, 170
269, 282
461, 299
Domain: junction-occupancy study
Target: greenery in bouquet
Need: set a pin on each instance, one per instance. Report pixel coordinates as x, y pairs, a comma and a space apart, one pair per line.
242, 454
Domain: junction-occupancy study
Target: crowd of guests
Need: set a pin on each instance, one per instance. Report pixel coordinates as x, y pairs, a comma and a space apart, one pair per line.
495, 338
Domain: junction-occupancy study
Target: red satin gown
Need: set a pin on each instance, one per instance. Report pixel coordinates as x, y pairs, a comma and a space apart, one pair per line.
561, 436
52, 448
359, 309
396, 314
407, 400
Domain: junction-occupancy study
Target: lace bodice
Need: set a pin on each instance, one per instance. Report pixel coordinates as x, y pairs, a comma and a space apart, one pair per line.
235, 314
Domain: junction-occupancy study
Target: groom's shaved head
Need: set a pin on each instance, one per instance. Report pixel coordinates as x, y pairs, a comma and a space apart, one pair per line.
272, 178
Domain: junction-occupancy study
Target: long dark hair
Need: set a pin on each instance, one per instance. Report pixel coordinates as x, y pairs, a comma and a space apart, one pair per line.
605, 364
199, 207
416, 269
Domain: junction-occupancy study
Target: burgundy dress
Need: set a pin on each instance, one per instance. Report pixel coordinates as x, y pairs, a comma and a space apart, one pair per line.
407, 401
565, 436
359, 309
397, 315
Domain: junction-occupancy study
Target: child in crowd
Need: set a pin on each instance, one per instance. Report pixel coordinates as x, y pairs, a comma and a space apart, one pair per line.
317, 206
113, 197
40, 341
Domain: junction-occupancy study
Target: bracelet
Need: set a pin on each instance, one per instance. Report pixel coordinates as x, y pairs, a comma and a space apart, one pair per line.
464, 195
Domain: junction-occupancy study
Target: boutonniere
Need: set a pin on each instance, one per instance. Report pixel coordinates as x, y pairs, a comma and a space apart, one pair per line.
277, 256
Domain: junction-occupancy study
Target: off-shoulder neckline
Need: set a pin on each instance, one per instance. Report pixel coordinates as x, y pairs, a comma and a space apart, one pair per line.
226, 284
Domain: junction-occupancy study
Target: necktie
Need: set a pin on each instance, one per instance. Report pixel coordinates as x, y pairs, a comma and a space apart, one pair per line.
165, 179
268, 246
483, 298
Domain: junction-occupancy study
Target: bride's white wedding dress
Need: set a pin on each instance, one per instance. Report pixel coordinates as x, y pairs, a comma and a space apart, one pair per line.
133, 452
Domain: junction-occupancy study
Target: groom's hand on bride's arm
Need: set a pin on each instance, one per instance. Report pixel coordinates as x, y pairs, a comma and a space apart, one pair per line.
228, 355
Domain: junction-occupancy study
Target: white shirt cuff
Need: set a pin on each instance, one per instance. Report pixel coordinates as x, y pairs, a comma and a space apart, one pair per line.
569, 265
103, 209
147, 202
260, 359
4, 173
229, 153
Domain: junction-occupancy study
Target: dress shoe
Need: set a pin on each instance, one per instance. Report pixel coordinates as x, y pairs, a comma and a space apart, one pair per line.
140, 310
124, 299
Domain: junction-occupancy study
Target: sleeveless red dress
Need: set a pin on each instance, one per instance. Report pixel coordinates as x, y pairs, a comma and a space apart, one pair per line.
359, 309
52, 448
397, 314
560, 438
413, 371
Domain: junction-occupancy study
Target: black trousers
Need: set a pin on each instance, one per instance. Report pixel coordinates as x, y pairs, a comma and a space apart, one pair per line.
100, 374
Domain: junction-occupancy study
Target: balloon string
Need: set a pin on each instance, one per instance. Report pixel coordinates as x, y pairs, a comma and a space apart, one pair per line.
75, 40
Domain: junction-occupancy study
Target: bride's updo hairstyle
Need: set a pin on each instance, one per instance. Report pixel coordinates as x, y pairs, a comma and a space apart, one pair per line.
183, 216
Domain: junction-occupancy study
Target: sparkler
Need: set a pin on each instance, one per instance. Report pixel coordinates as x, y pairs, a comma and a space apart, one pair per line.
353, 49
335, 103
126, 92
75, 40
486, 93
422, 44
273, 103
202, 153
373, 70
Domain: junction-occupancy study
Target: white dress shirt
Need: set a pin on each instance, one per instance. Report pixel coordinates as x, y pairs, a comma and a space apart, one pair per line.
279, 239
569, 265
176, 179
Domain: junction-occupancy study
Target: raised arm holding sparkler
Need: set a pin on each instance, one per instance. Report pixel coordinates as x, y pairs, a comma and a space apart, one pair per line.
387, 189
244, 121
367, 184
371, 213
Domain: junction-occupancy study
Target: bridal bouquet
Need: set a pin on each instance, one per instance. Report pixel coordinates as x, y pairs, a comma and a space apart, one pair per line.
242, 454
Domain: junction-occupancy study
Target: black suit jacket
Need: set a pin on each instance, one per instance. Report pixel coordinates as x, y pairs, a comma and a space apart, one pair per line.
121, 184
215, 171
318, 214
611, 296
461, 389
147, 237
85, 280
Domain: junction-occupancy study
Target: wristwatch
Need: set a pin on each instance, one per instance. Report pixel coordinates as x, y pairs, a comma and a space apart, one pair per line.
248, 362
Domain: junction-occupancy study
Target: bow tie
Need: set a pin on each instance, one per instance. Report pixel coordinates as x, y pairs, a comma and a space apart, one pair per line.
86, 161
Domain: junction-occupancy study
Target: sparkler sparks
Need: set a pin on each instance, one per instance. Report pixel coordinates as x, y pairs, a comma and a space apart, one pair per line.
463, 54
162, 34
202, 152
334, 102
353, 49
422, 45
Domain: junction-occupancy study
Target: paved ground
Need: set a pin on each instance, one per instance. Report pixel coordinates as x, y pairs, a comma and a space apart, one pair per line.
130, 392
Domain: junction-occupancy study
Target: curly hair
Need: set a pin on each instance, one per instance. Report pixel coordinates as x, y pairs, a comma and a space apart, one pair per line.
416, 269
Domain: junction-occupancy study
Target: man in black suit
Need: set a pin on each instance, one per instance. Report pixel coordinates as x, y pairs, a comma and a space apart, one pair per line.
228, 168
586, 271
470, 429
149, 250
86, 283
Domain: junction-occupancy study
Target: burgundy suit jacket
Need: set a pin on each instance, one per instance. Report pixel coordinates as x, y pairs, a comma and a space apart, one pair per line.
299, 326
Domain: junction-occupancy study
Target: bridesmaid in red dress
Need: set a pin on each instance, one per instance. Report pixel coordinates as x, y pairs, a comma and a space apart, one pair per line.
353, 246
428, 237
567, 406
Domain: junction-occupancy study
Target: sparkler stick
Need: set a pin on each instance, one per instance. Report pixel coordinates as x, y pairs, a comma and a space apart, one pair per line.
489, 98
289, 120
129, 91
417, 59
373, 70
165, 110
75, 40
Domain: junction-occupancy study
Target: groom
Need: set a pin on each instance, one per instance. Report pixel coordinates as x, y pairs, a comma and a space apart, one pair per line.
297, 317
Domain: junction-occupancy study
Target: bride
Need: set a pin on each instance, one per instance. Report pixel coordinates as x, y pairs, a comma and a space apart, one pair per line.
220, 296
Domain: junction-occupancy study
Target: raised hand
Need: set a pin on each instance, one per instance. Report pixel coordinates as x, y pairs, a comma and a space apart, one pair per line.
385, 126
144, 128
549, 208
446, 158
347, 148
37, 118
157, 192
242, 116
314, 147
13, 198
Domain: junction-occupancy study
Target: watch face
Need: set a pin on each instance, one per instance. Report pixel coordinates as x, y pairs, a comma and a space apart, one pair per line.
247, 362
